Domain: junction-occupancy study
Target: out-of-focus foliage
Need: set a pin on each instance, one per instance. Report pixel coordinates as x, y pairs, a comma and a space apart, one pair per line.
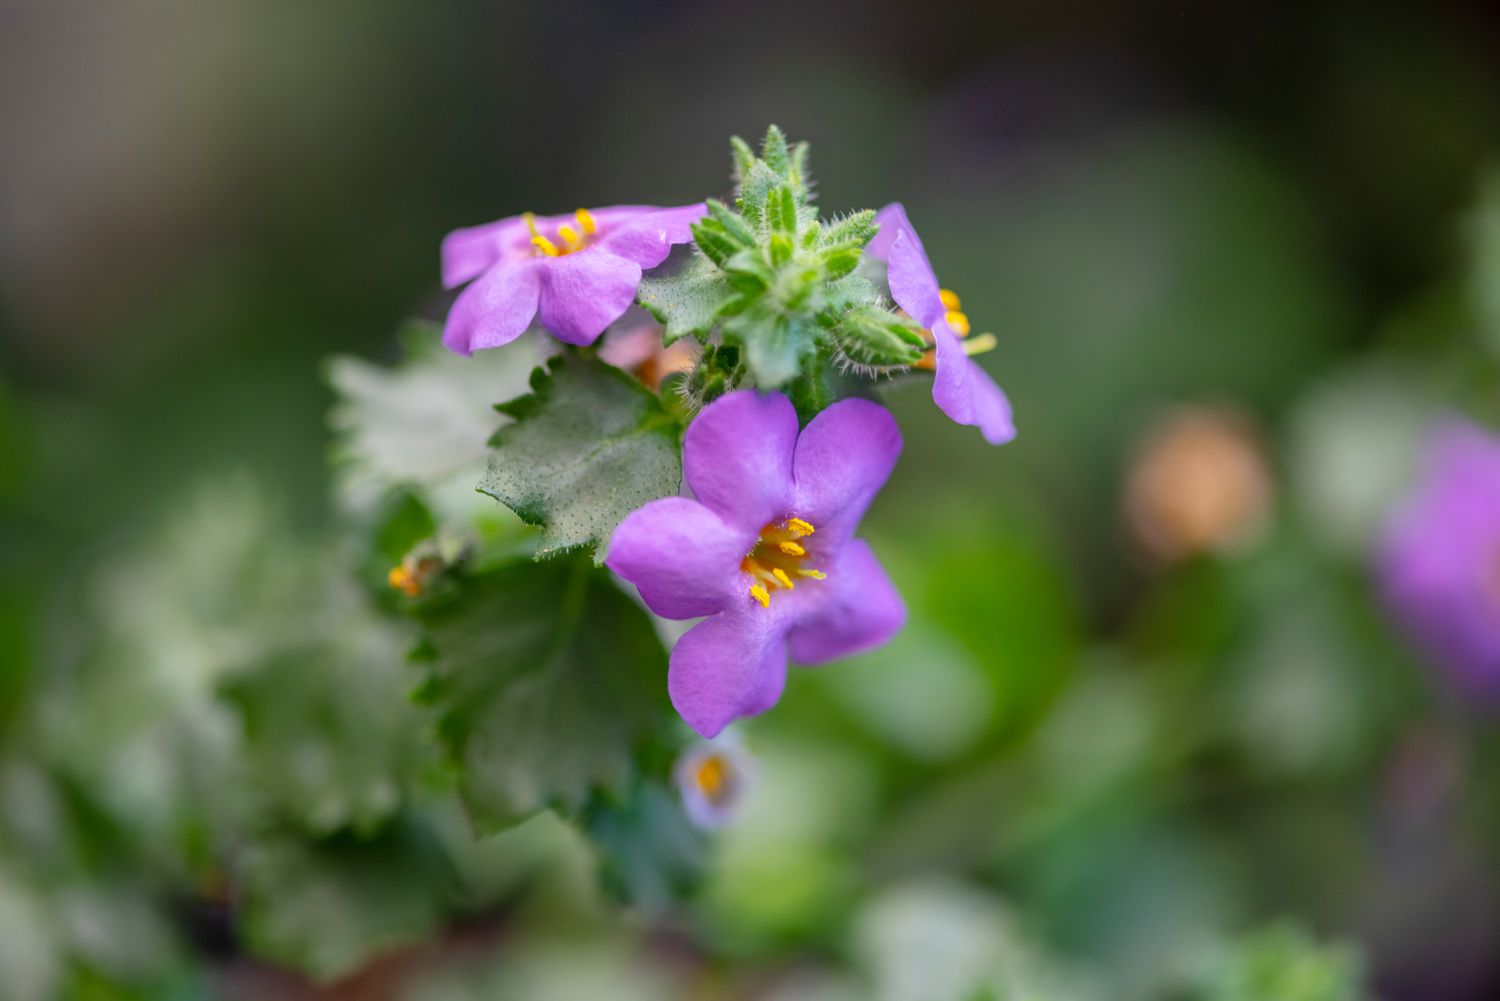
1089, 768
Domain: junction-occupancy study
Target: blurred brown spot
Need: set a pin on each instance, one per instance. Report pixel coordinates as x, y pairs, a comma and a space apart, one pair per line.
1199, 483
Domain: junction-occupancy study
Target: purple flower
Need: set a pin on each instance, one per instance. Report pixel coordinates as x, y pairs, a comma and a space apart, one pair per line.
714, 777
1440, 563
960, 387
577, 272
766, 551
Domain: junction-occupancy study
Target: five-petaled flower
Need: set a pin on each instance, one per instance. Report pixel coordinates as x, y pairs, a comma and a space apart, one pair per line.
1440, 563
714, 777
766, 550
960, 387
576, 273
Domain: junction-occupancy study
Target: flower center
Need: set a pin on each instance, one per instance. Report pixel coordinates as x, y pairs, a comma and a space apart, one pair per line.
958, 322
777, 559
570, 238
713, 777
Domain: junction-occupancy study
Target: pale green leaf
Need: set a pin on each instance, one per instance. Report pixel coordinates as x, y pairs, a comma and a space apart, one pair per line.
588, 446
685, 296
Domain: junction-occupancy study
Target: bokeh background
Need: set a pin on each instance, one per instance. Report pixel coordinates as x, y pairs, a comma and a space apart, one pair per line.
1238, 260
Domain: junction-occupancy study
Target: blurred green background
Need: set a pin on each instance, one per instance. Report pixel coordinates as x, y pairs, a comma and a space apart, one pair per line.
1236, 257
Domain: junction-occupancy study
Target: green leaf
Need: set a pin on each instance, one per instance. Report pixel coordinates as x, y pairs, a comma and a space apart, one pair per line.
331, 740
781, 210
743, 155
750, 197
773, 150
870, 336
589, 445
650, 854
734, 225
685, 296
548, 680
774, 346
857, 229
425, 421
327, 907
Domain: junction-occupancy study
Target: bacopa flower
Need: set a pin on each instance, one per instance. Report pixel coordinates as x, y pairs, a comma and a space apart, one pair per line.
1440, 563
766, 550
714, 777
576, 273
960, 387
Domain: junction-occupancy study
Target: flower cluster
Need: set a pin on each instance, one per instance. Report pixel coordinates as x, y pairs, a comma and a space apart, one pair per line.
793, 322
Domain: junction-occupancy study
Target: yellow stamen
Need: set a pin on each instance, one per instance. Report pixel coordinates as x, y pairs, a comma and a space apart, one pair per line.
791, 548
814, 574
979, 345
799, 527
958, 321
570, 237
403, 580
539, 241
712, 777
780, 575
761, 595
585, 220
950, 298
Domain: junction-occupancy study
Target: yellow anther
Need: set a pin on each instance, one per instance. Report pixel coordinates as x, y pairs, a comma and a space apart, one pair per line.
791, 548
780, 575
539, 241
979, 345
814, 574
958, 322
950, 298
713, 776
570, 235
585, 220
761, 595
403, 580
799, 527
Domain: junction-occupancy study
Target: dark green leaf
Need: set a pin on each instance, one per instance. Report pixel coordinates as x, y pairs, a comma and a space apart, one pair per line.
548, 679
588, 446
650, 854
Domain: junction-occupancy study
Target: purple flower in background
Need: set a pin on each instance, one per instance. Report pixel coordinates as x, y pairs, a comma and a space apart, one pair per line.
960, 387
766, 551
714, 777
576, 273
1440, 564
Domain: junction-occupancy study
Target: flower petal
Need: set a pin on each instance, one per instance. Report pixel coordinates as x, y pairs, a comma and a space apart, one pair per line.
737, 457
468, 252
843, 457
495, 310
585, 292
913, 284
891, 220
862, 610
648, 240
727, 667
965, 392
683, 557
